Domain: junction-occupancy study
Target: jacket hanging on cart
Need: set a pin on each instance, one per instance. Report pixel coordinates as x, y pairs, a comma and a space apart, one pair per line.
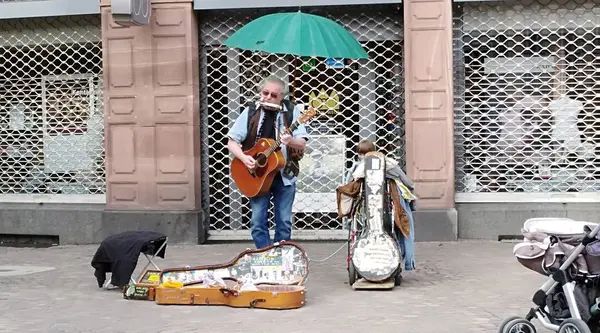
118, 254
405, 222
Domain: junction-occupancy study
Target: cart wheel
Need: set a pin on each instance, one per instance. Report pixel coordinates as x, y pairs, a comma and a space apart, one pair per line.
573, 325
398, 280
398, 277
351, 273
517, 325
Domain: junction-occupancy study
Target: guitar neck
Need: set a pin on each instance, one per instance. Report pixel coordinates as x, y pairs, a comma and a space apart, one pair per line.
290, 130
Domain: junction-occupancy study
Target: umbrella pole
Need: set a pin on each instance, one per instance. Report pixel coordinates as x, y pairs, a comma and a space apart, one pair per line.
293, 92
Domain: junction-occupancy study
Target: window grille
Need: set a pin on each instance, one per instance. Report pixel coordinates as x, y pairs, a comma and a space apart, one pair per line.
355, 100
527, 96
51, 114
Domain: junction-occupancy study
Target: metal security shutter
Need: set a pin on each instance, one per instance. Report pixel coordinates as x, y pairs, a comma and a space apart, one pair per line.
51, 118
527, 96
357, 100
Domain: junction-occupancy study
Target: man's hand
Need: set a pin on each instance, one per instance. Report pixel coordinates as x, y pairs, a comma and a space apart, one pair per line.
249, 162
286, 138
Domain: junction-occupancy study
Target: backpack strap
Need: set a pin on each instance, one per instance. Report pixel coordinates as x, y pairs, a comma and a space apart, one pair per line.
289, 115
251, 110
252, 125
292, 167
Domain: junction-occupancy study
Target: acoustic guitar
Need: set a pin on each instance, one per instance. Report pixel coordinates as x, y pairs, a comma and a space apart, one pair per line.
269, 160
375, 254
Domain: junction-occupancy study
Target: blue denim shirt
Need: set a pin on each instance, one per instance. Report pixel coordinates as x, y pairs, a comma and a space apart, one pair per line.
239, 131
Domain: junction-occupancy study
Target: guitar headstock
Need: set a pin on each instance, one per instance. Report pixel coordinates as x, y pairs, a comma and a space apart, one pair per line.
307, 115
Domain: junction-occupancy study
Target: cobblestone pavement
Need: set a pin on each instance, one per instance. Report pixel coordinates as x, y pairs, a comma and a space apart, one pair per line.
465, 286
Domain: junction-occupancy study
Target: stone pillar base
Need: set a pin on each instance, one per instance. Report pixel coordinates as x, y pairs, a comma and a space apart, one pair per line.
439, 225
182, 227
67, 224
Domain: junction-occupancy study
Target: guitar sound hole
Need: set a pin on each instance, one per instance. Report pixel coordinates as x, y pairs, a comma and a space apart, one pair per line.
259, 169
261, 160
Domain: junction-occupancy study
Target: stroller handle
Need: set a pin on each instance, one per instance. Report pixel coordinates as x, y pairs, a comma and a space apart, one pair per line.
590, 236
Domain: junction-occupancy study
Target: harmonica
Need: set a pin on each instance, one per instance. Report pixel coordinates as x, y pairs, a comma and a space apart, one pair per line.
271, 105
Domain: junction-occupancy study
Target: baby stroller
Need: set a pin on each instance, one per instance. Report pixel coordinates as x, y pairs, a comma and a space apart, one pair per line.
568, 252
358, 217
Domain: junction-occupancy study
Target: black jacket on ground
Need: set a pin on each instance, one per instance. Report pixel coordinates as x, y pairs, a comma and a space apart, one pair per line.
118, 254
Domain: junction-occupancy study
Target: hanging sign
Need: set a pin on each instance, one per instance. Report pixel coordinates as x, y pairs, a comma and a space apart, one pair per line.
335, 62
309, 64
324, 102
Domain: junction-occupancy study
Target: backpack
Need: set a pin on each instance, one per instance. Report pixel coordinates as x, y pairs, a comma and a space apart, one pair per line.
292, 166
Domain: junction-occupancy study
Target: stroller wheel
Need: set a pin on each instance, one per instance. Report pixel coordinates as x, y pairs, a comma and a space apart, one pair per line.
516, 325
573, 325
505, 322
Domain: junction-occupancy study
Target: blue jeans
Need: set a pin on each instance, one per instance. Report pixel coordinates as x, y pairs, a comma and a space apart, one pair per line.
283, 198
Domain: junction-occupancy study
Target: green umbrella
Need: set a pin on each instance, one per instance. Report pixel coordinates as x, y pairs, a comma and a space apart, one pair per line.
298, 34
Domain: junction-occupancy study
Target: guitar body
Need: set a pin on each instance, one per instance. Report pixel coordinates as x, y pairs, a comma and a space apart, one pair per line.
257, 182
375, 254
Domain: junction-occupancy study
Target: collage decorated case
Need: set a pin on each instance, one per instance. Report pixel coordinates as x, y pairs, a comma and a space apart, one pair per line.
375, 254
272, 278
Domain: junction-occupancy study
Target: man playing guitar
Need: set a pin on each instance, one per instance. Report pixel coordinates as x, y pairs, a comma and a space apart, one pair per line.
244, 134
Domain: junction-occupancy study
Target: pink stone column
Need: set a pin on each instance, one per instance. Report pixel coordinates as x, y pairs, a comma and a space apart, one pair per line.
429, 106
151, 109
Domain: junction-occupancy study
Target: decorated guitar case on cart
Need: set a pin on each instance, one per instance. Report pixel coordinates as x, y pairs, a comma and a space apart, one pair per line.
268, 278
375, 254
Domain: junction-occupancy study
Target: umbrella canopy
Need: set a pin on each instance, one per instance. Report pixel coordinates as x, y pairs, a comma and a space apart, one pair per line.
299, 34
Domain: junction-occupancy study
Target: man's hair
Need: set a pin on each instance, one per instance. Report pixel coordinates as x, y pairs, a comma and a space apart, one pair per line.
275, 79
365, 146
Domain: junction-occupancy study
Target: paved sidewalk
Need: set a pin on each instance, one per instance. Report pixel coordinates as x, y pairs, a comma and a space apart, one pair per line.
463, 286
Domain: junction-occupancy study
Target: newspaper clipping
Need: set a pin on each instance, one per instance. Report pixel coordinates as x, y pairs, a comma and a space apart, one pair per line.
321, 172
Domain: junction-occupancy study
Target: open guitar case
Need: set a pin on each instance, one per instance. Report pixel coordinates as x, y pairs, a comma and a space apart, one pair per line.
268, 278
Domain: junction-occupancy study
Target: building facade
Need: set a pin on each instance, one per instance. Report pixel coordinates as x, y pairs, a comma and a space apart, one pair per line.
108, 127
